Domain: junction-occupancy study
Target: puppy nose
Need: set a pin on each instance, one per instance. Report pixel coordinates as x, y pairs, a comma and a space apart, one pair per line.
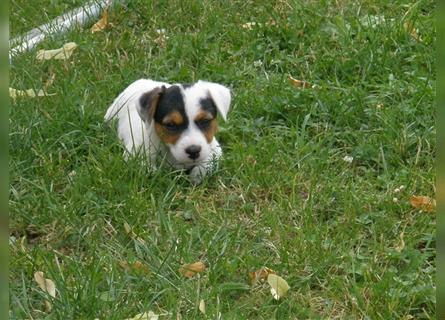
193, 151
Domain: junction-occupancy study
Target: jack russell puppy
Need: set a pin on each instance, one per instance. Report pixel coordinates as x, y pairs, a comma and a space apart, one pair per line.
175, 123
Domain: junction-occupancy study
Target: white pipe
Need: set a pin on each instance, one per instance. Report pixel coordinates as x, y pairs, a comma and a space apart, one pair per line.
78, 16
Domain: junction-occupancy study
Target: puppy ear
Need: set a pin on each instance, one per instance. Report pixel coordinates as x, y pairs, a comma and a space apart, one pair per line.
220, 95
148, 103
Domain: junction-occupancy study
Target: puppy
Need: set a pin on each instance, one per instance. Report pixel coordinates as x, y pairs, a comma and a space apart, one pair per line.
172, 122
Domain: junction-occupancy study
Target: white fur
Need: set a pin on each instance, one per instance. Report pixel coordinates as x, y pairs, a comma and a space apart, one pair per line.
138, 135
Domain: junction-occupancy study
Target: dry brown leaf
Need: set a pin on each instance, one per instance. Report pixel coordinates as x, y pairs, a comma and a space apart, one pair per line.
134, 266
47, 285
15, 93
409, 27
260, 274
299, 83
423, 203
189, 270
202, 306
62, 53
102, 23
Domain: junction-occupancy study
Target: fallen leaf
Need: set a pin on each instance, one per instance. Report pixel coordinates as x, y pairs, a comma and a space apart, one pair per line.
47, 285
150, 315
279, 286
423, 203
134, 266
22, 244
260, 274
401, 245
15, 93
132, 234
299, 83
102, 23
202, 306
189, 270
128, 229
409, 27
62, 53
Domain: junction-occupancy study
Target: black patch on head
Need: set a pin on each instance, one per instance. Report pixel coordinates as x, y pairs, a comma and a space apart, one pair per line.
172, 100
186, 85
208, 105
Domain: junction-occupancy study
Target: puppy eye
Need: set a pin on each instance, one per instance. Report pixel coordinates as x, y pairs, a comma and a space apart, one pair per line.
203, 123
170, 126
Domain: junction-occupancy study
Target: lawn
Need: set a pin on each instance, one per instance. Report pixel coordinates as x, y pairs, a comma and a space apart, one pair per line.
342, 233
26, 15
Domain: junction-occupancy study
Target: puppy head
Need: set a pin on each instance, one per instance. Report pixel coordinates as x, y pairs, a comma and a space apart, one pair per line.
184, 118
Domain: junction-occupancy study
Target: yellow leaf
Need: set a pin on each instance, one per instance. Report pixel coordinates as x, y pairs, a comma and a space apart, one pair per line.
401, 245
47, 285
260, 274
127, 228
423, 203
409, 27
135, 266
102, 23
299, 83
278, 286
132, 234
14, 93
189, 270
62, 53
150, 315
202, 306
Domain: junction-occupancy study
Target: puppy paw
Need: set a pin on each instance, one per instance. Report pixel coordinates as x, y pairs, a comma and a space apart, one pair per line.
197, 174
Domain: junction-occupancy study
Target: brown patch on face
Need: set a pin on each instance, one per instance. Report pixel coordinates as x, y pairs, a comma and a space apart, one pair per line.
165, 135
210, 127
174, 117
210, 133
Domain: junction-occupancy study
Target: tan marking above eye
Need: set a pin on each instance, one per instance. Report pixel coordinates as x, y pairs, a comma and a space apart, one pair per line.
175, 117
204, 116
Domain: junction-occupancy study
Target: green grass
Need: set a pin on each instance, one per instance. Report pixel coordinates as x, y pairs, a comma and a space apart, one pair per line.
282, 198
26, 15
